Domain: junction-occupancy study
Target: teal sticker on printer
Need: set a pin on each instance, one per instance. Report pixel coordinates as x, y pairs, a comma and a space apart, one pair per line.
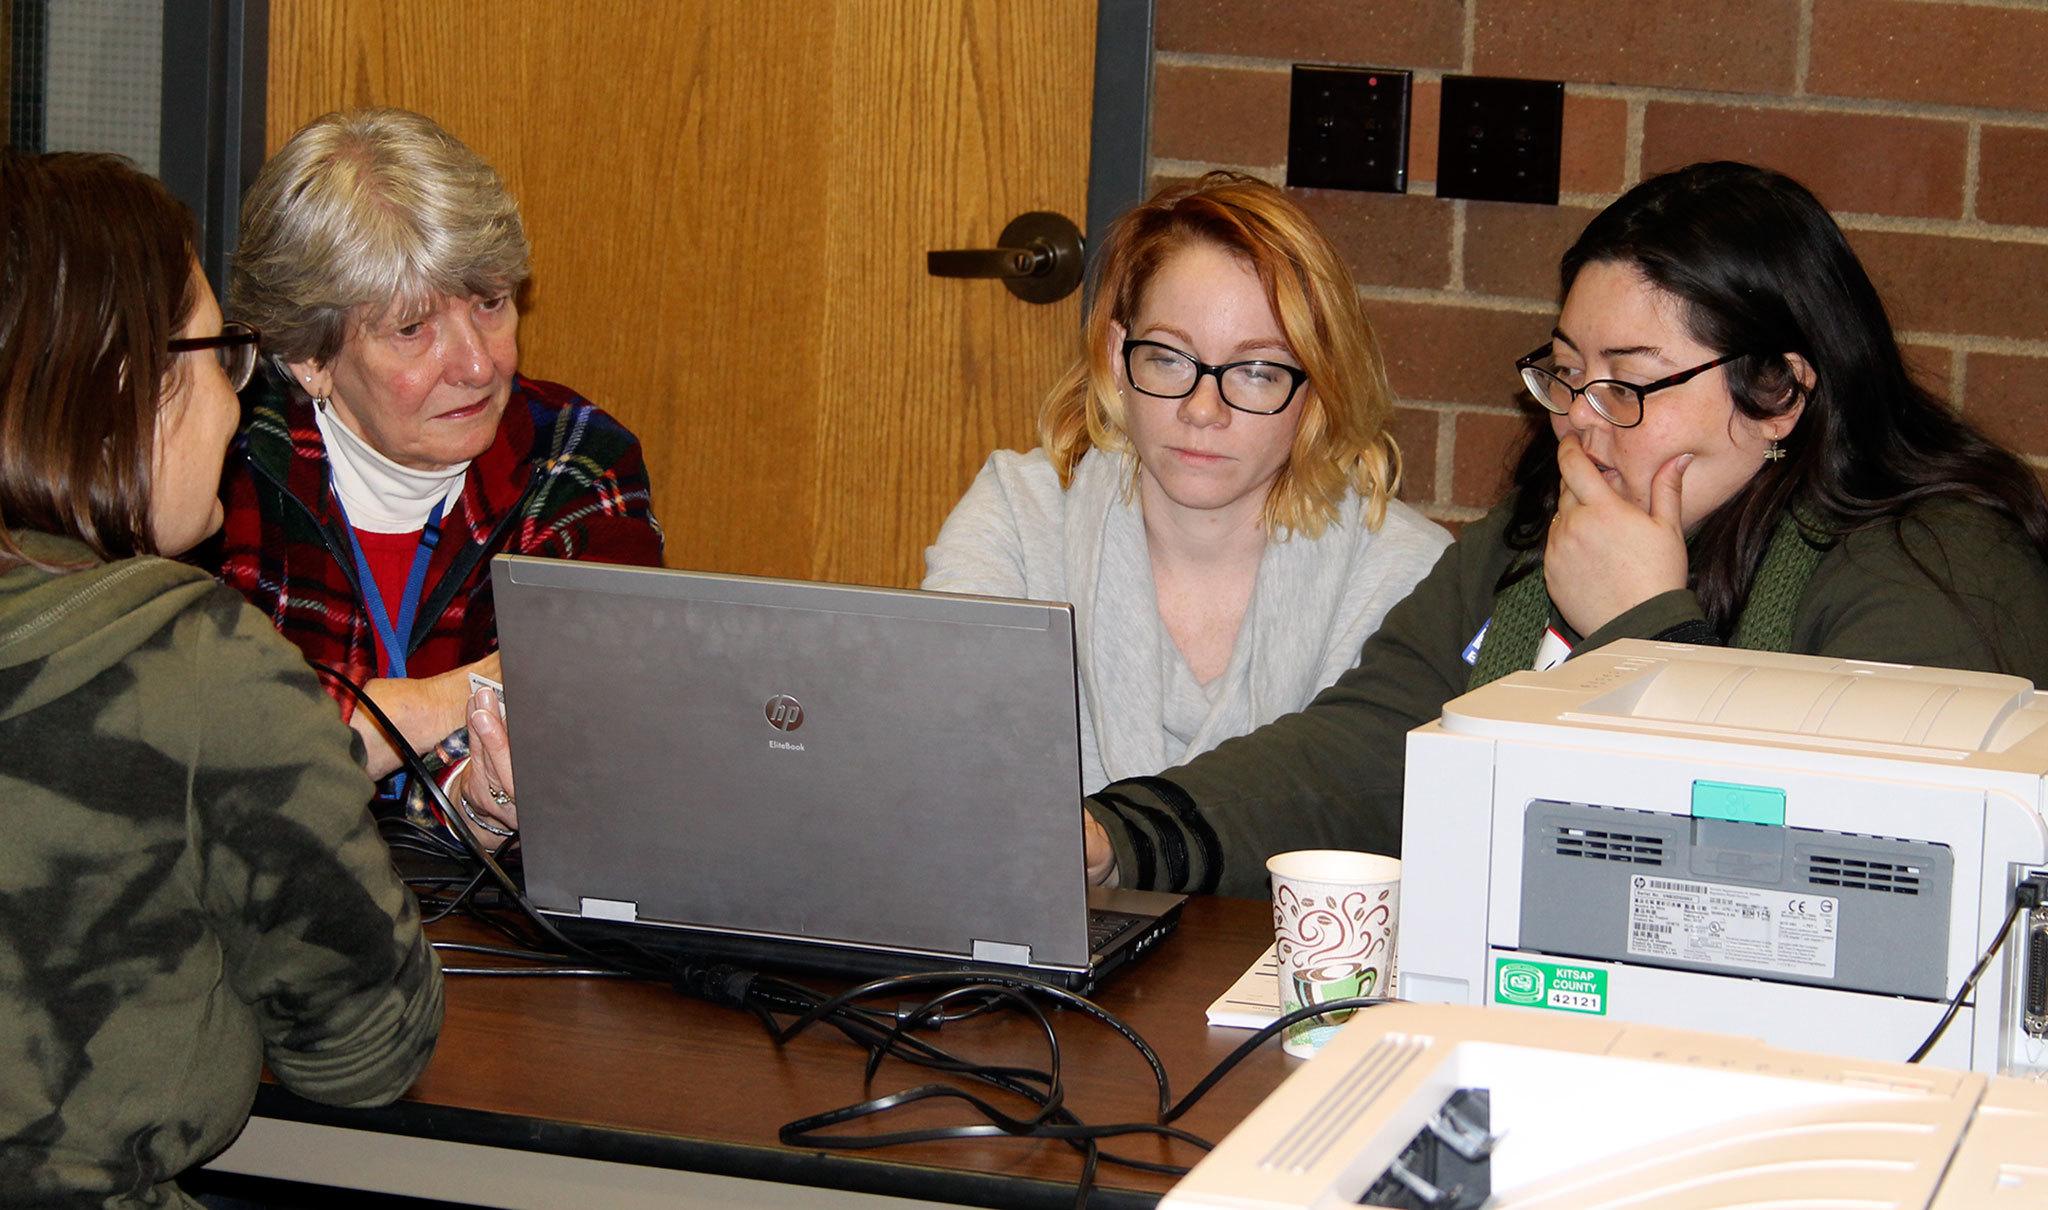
1561, 986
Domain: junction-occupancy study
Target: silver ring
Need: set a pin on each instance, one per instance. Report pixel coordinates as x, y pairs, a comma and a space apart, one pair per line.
487, 825
499, 796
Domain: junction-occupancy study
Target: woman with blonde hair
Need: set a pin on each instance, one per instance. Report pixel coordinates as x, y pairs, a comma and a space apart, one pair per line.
1215, 488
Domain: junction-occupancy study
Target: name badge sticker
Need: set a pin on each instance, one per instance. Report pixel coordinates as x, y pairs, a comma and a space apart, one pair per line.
1472, 648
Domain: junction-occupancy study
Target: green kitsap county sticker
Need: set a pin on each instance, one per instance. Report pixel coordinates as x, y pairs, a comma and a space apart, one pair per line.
1572, 989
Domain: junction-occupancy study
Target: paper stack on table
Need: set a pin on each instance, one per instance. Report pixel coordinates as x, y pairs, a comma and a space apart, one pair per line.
1252, 1001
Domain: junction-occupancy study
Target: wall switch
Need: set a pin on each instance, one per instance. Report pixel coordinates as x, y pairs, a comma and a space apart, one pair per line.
1500, 139
1347, 128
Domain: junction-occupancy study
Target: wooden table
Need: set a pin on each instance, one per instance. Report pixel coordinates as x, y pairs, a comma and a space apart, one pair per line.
553, 1092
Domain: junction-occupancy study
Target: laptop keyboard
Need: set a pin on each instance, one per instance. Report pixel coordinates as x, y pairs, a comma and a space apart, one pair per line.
1104, 927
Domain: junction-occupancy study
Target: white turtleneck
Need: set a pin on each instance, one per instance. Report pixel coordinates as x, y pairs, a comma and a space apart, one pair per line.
379, 495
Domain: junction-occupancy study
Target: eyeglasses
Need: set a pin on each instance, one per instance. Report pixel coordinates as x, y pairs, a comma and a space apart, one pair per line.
1620, 403
1262, 388
235, 348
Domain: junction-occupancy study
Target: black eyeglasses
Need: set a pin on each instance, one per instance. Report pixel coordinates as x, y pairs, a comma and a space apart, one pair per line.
1621, 403
1262, 388
235, 348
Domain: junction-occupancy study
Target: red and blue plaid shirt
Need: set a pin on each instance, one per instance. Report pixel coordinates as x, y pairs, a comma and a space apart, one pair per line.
562, 479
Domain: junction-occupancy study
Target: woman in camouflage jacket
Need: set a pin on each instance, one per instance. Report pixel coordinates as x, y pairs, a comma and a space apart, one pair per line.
191, 886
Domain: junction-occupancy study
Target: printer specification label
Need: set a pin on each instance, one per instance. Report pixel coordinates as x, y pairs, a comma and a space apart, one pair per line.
1736, 926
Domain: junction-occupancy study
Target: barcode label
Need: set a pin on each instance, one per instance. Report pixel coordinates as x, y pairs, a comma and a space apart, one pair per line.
1720, 924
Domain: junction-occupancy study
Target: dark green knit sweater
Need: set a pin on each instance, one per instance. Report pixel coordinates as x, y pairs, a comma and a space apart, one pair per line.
1952, 585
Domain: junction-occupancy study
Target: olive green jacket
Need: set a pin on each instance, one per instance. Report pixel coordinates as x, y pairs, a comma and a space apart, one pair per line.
190, 885
1951, 585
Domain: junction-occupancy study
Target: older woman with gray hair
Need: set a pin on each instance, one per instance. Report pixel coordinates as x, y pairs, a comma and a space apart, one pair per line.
391, 446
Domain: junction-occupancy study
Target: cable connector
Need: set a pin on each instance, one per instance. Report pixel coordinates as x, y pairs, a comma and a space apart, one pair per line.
726, 985
2032, 892
906, 1012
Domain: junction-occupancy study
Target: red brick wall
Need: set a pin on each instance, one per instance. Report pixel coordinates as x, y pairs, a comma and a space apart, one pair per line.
1923, 124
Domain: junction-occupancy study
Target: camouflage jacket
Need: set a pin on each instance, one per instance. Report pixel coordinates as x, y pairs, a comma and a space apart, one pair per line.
190, 885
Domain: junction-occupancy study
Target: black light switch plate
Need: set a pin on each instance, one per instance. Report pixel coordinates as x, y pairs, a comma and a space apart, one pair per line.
1347, 128
1500, 139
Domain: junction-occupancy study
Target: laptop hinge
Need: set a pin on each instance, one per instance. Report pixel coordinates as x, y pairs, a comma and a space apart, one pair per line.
1002, 952
610, 909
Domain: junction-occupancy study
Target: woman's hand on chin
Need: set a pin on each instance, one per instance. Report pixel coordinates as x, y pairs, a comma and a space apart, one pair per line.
1605, 555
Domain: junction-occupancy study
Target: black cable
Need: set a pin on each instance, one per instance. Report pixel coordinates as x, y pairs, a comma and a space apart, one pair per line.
409, 843
541, 972
1956, 1003
1052, 1121
446, 811
432, 882
1021, 1081
1258, 1038
461, 897
405, 833
867, 1028
1054, 992
508, 927
499, 951
1065, 1127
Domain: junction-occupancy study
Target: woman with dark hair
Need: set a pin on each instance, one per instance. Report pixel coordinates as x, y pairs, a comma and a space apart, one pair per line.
1734, 454
192, 886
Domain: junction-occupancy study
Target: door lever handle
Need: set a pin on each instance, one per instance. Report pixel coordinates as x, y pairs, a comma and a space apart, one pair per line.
1039, 258
989, 262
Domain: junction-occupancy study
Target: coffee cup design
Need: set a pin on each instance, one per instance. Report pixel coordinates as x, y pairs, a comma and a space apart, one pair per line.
1336, 981
1328, 984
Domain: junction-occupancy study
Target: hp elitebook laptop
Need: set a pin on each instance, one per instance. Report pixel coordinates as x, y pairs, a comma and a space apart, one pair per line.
854, 781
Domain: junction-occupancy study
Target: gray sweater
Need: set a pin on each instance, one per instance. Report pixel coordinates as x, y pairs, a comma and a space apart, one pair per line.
1017, 533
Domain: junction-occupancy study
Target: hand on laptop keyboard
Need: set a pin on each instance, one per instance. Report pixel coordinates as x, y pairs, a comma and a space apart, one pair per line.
1095, 848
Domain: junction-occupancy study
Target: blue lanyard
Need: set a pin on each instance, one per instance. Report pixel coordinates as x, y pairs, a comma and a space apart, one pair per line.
388, 631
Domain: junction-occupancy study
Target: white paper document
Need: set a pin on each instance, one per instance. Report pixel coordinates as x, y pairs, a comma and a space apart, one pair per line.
1252, 1001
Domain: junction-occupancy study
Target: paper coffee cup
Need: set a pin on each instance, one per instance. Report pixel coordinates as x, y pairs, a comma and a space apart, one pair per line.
1335, 913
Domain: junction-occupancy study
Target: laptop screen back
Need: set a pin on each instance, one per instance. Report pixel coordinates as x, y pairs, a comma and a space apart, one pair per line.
865, 766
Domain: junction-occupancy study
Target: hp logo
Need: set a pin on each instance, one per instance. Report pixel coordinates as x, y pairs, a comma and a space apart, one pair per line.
785, 713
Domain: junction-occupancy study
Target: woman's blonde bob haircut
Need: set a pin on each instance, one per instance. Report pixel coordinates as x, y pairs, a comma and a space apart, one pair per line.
1343, 440
363, 214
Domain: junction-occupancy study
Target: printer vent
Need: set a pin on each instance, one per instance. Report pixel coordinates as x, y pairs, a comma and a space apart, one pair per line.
1862, 874
1599, 845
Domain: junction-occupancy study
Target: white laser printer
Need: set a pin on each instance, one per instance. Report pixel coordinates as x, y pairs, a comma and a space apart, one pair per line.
1808, 850
1458, 1108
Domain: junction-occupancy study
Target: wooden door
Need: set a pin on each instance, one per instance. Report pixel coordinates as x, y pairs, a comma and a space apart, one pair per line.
729, 203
